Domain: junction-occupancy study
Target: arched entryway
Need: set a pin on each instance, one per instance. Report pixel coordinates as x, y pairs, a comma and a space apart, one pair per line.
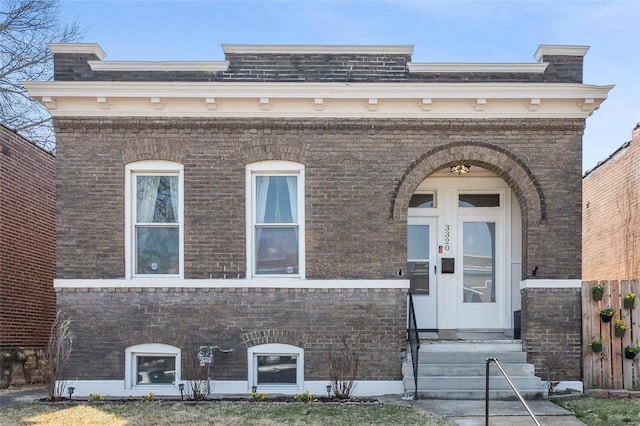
467, 231
460, 230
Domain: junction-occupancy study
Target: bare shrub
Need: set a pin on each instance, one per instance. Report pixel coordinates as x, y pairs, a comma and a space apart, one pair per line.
343, 368
195, 375
56, 357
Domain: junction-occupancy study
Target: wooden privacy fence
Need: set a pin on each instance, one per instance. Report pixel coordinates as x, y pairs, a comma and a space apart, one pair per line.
610, 368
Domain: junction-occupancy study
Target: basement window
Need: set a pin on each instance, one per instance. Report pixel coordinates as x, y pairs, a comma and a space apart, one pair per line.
152, 365
276, 367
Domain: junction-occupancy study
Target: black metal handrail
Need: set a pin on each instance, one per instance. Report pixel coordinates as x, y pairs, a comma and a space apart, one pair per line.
414, 343
486, 397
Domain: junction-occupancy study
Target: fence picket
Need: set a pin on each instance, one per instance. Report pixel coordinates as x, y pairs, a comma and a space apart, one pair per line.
635, 334
589, 334
616, 342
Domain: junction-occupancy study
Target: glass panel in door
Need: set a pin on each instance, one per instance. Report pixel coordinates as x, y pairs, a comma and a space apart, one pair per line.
479, 262
481, 278
421, 252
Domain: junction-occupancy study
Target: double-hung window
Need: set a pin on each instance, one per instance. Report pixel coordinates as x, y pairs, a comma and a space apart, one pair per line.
275, 208
154, 212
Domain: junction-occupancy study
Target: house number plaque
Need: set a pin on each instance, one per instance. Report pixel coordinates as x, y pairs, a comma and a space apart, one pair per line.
447, 238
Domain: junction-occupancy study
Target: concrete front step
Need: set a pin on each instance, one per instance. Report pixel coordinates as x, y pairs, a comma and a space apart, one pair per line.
456, 369
461, 388
457, 383
467, 369
469, 357
493, 346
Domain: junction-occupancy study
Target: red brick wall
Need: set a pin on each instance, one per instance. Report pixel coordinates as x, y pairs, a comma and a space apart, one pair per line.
611, 218
27, 241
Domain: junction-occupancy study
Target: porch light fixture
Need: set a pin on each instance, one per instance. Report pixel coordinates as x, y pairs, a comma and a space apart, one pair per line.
460, 169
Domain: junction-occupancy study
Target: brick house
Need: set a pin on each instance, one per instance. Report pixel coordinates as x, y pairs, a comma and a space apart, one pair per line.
283, 201
27, 256
610, 220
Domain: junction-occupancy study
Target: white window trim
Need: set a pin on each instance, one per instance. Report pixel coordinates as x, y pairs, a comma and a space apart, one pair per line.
275, 349
270, 168
149, 349
151, 166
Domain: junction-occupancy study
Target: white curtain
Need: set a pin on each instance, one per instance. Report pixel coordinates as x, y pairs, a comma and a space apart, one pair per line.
293, 197
174, 197
147, 193
262, 189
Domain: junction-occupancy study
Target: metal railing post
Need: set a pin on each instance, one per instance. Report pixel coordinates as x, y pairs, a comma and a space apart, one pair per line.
486, 393
414, 342
486, 414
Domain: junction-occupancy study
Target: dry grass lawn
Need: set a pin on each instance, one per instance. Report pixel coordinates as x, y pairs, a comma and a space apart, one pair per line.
228, 414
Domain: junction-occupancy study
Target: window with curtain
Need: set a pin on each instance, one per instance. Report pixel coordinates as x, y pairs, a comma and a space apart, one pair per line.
276, 208
157, 226
276, 227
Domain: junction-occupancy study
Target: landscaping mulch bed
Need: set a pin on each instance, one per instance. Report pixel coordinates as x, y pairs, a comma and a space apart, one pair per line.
236, 399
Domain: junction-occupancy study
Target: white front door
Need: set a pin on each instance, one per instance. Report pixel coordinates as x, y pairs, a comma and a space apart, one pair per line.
462, 235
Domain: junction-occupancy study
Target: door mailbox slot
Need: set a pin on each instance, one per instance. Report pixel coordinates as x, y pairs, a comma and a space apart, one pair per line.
448, 265
419, 279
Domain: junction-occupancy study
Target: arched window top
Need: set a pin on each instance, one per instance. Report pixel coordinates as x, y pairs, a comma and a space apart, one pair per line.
153, 347
275, 165
275, 347
154, 165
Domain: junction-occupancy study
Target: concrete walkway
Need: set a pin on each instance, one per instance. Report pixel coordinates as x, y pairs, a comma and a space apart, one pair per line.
8, 397
501, 413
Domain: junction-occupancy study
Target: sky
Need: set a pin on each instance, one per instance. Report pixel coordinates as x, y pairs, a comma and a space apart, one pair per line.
440, 31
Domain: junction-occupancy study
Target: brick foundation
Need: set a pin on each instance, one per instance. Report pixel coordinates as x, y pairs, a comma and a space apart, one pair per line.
372, 320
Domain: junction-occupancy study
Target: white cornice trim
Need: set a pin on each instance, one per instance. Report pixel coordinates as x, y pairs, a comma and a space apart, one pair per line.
159, 66
228, 283
536, 68
78, 48
380, 100
318, 49
133, 89
556, 50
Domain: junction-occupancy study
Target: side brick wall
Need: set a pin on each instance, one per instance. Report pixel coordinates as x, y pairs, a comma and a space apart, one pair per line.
27, 256
27, 251
552, 332
372, 320
611, 222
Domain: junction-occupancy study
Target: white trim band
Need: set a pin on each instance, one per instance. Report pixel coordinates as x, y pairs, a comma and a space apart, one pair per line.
115, 388
230, 283
550, 284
